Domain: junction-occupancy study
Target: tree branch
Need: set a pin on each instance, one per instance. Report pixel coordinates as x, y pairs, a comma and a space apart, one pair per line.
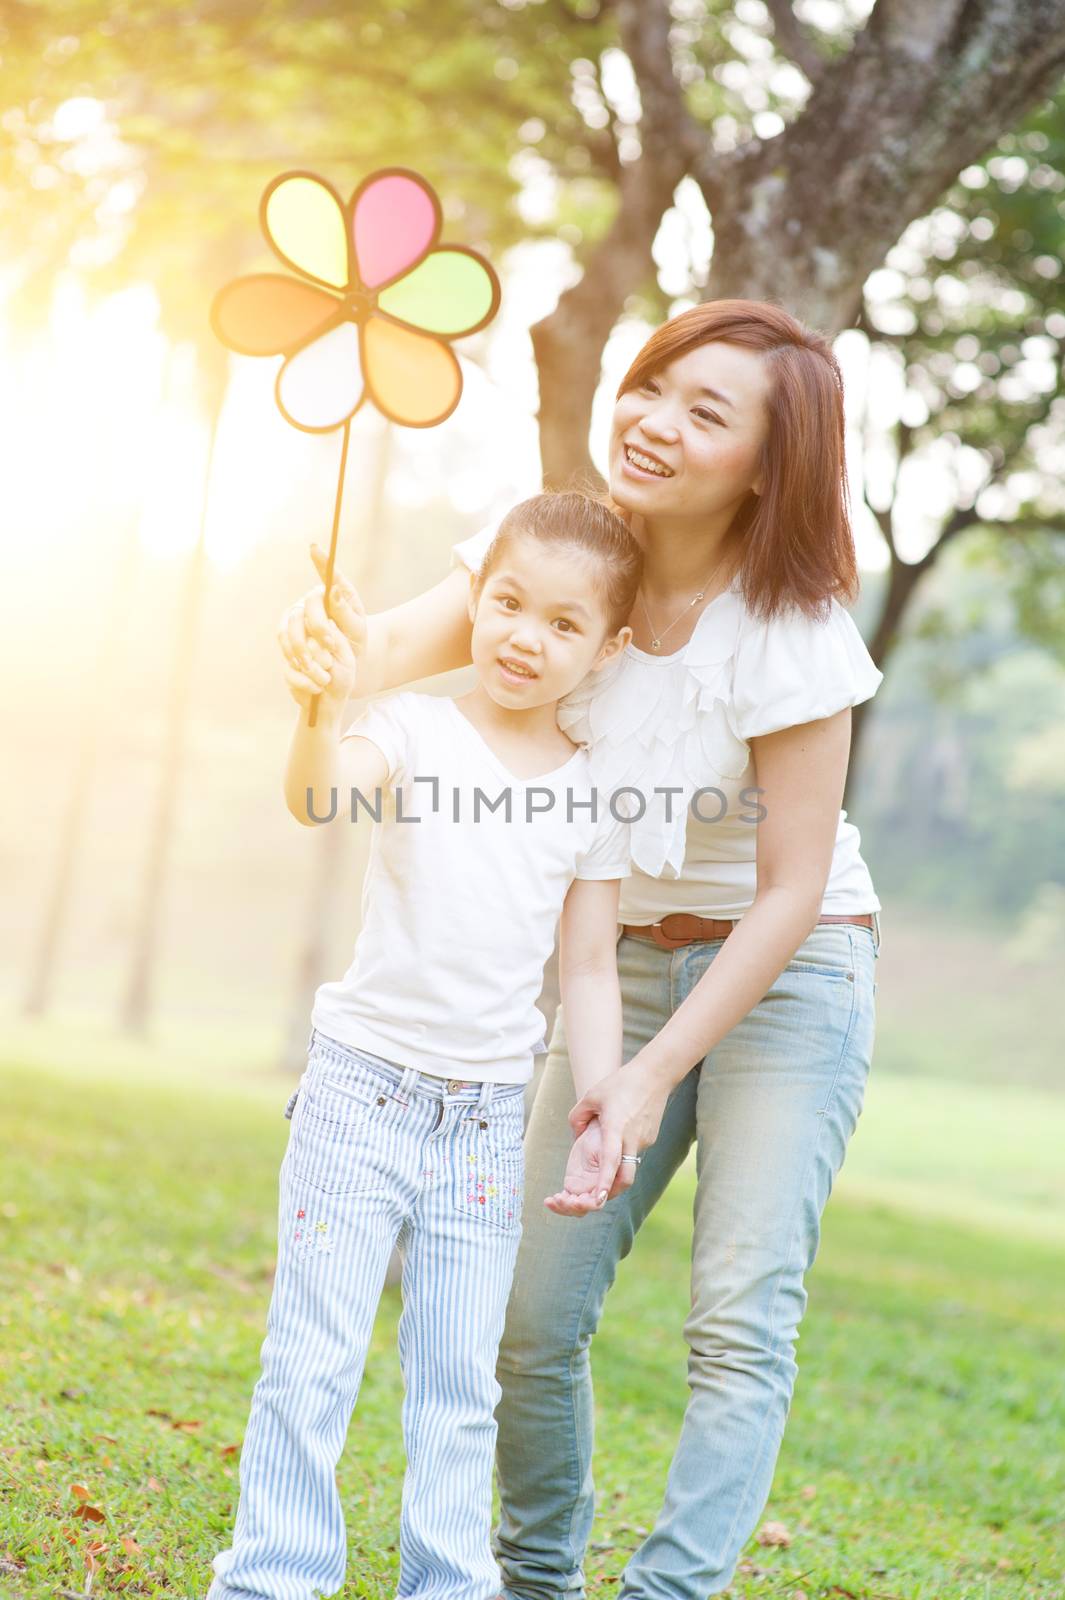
794, 41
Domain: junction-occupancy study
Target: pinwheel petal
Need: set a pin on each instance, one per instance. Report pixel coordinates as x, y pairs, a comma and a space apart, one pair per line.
304, 221
453, 291
270, 315
321, 386
410, 377
395, 219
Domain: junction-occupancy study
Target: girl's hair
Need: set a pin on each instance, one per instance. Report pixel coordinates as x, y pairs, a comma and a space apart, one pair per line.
585, 524
796, 544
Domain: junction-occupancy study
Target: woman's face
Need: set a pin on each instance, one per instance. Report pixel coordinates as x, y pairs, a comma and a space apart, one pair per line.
688, 443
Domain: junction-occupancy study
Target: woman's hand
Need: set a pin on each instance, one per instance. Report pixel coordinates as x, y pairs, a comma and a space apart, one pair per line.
628, 1104
586, 1182
311, 640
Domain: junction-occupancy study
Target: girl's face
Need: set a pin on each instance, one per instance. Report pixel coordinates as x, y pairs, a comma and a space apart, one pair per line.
688, 443
539, 624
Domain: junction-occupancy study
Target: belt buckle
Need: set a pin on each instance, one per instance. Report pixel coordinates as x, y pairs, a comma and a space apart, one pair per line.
670, 941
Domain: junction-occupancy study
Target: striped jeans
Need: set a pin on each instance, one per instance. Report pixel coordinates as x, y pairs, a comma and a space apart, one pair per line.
380, 1155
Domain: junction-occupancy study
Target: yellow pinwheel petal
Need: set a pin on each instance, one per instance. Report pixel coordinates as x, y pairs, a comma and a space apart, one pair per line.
452, 292
411, 378
304, 221
321, 386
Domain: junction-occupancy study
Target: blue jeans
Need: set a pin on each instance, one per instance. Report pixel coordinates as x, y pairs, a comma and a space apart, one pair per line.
380, 1155
770, 1110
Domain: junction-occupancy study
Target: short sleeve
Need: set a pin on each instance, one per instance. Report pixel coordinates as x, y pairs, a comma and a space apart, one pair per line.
471, 552
608, 854
793, 669
387, 724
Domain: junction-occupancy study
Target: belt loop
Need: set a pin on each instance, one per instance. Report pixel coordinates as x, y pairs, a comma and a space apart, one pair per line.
310, 1041
484, 1099
876, 932
406, 1084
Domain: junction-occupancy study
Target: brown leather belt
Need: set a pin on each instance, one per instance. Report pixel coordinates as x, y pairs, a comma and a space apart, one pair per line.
681, 927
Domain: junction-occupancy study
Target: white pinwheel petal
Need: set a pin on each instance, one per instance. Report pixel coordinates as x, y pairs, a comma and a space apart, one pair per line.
321, 386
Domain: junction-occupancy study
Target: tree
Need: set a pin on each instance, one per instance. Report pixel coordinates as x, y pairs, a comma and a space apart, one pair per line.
966, 324
885, 123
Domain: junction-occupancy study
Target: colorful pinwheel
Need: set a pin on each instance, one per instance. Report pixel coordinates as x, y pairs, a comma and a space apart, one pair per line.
372, 312
379, 305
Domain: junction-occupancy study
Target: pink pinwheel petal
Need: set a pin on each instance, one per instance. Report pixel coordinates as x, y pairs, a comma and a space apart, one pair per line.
395, 219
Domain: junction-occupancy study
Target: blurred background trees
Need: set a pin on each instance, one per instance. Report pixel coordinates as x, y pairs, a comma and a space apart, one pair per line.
894, 172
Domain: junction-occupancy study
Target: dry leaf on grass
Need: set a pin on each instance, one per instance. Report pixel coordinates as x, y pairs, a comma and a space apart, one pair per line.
774, 1534
154, 1486
79, 1491
229, 1449
809, 1491
130, 1545
187, 1427
90, 1513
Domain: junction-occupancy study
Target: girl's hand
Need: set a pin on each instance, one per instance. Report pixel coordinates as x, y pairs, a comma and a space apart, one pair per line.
310, 639
328, 672
628, 1107
588, 1178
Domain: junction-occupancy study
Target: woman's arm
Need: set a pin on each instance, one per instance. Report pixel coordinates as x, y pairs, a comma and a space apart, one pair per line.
417, 639
801, 772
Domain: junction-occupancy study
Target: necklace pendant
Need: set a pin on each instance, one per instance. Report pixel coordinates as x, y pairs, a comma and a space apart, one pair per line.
699, 596
656, 644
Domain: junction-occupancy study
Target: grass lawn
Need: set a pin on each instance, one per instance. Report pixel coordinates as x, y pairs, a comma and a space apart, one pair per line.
925, 1457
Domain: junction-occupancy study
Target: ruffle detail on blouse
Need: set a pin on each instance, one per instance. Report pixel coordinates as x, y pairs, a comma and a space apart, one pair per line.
662, 724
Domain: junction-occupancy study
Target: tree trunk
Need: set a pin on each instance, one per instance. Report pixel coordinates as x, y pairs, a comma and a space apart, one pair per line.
46, 956
928, 85
137, 1003
903, 581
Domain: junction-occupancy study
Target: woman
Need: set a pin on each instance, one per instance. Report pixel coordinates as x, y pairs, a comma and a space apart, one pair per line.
747, 947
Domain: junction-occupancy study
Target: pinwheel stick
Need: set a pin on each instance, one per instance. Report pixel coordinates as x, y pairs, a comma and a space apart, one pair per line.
312, 715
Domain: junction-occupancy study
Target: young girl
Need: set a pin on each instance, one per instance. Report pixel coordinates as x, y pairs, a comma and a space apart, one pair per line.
407, 1125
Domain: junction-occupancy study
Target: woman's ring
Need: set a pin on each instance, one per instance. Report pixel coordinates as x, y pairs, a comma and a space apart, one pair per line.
637, 1159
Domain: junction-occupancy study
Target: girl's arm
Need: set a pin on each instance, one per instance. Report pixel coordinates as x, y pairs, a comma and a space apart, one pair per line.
417, 639
588, 979
318, 759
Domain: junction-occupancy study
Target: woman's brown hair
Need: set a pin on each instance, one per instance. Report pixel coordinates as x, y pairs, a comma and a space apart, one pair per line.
796, 544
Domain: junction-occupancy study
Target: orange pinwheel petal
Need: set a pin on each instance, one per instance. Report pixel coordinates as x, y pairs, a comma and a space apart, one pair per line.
411, 378
270, 315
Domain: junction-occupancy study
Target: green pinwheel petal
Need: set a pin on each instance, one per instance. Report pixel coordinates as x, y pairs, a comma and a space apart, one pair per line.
453, 291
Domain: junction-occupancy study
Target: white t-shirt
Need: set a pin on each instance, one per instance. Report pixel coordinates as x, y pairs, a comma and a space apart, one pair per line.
460, 906
682, 722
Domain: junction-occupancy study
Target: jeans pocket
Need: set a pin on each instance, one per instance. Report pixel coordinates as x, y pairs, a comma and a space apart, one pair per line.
489, 1173
328, 1146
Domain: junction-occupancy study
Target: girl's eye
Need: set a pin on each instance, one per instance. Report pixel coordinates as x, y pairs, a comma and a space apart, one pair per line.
508, 601
650, 387
565, 625
707, 416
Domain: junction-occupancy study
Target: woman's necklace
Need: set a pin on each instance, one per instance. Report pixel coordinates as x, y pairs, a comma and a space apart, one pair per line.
656, 639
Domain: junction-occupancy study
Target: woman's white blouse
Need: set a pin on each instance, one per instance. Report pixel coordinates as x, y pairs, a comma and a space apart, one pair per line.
672, 731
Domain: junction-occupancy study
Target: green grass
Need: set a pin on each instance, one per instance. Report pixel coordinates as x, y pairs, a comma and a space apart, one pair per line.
925, 1457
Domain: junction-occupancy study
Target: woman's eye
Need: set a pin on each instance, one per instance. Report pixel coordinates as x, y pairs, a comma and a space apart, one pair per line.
707, 416
508, 601
565, 626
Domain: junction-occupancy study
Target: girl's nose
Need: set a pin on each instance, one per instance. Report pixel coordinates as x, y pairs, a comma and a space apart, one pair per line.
526, 638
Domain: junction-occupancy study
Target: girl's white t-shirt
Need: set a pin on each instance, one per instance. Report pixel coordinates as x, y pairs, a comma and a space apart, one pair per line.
673, 732
469, 867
